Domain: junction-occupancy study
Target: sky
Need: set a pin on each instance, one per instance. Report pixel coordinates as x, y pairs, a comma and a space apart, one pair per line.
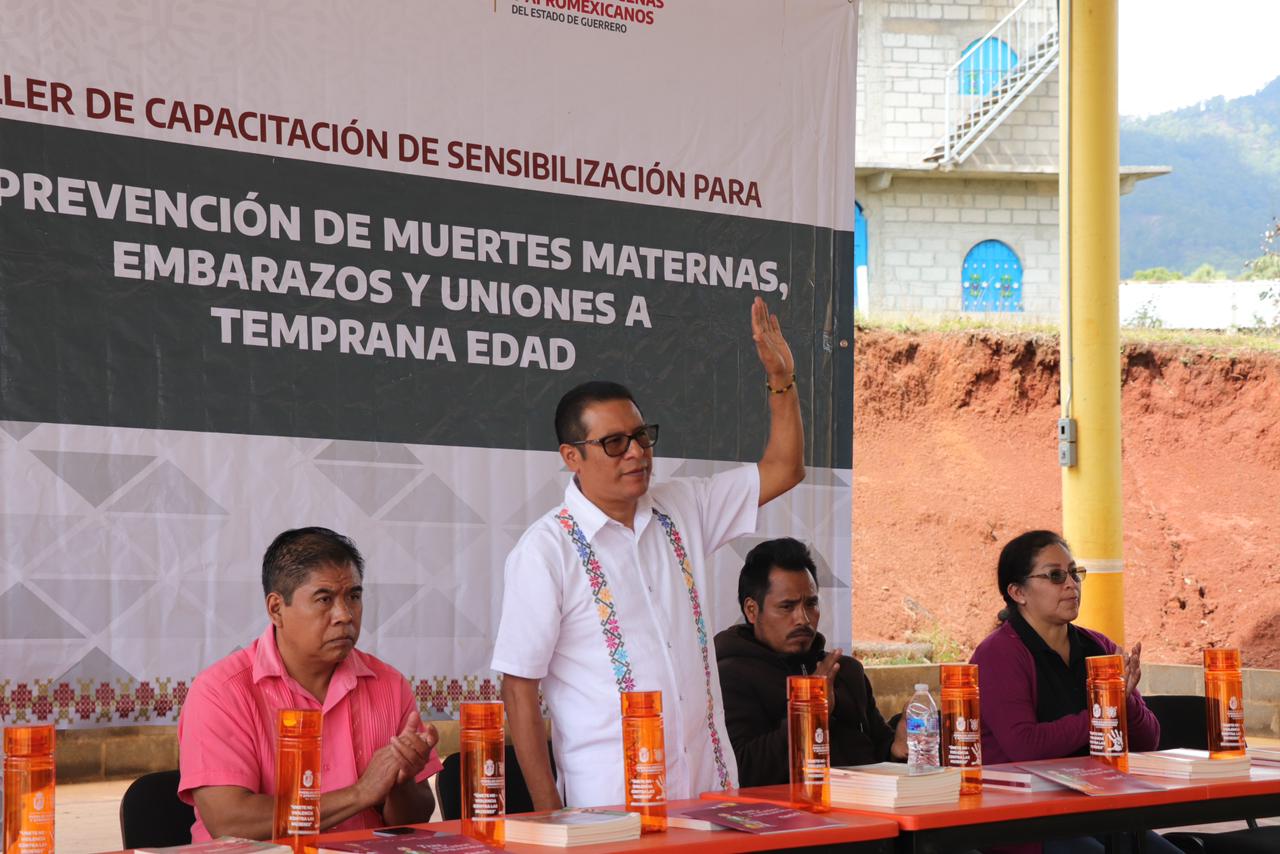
1174, 53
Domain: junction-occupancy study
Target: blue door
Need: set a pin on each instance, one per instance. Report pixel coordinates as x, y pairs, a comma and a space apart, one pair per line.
985, 65
992, 278
859, 256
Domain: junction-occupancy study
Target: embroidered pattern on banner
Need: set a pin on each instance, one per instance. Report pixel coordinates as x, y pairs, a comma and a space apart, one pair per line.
87, 702
677, 546
604, 602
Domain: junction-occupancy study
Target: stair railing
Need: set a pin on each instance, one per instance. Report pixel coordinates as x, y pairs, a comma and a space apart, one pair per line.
975, 86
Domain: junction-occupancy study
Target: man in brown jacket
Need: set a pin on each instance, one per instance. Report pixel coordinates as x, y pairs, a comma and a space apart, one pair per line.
778, 594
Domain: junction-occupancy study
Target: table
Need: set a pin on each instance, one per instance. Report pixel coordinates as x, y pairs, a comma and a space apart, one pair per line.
1003, 818
860, 834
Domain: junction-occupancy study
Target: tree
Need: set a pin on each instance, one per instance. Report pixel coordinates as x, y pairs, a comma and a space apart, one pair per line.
1157, 274
1206, 273
1265, 267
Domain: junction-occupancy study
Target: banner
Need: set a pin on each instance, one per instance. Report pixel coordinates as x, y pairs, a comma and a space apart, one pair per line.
264, 267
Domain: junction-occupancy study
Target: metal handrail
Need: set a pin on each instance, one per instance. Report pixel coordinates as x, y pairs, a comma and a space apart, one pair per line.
1026, 33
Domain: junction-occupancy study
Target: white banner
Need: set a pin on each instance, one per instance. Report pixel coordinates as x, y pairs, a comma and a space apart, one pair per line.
264, 266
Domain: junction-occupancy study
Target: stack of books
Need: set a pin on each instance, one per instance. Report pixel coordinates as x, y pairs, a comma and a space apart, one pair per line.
568, 827
222, 845
1008, 777
891, 785
1186, 764
1267, 757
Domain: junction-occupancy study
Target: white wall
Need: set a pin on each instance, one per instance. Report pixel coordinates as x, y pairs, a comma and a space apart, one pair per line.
1198, 305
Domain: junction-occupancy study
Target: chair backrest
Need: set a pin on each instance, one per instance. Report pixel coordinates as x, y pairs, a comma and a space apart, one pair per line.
151, 816
1182, 720
449, 785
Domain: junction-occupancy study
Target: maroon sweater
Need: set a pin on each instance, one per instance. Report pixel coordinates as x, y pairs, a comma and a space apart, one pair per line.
1007, 685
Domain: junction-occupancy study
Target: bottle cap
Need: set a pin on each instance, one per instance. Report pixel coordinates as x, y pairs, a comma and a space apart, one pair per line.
1222, 659
641, 703
959, 676
300, 723
922, 688
806, 688
481, 715
1105, 667
28, 740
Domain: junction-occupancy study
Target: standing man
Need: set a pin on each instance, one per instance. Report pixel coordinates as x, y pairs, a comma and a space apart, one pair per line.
603, 594
778, 595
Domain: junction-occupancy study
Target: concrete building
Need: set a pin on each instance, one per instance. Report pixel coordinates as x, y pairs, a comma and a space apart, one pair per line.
957, 159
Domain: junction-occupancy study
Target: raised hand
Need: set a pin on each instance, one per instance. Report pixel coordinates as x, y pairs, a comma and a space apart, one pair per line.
771, 347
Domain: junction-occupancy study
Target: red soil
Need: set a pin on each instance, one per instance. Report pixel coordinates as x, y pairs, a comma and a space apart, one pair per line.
955, 453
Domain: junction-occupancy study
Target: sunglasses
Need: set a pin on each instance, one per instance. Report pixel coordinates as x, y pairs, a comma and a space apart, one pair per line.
1059, 576
617, 444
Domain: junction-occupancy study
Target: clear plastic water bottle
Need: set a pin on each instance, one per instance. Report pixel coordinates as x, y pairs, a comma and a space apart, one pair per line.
922, 732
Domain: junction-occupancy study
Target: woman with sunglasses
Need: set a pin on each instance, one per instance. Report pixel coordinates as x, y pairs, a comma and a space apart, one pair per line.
1031, 670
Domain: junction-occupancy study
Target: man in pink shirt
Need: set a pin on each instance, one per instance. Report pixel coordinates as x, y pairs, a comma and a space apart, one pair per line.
376, 754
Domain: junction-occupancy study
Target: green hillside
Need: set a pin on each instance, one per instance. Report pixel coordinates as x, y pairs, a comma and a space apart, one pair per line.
1224, 190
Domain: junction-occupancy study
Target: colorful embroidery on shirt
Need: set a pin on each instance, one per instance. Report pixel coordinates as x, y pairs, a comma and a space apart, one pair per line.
613, 632
604, 602
677, 546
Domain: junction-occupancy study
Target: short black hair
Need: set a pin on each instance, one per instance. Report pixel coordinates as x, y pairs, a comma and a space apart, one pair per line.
784, 553
569, 410
294, 554
1016, 560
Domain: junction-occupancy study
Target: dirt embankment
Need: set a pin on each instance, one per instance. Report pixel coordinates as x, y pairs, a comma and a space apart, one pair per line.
955, 452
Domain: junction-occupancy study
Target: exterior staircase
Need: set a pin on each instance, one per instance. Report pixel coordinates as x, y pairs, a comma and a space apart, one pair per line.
1030, 33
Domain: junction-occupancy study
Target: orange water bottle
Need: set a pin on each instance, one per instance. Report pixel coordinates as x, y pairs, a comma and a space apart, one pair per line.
484, 776
297, 821
1108, 721
809, 742
644, 758
28, 790
1224, 702
962, 725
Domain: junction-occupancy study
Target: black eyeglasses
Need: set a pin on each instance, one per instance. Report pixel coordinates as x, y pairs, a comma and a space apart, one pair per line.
1059, 576
617, 444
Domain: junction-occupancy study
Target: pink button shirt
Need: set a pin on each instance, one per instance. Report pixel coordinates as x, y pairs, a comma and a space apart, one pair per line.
226, 735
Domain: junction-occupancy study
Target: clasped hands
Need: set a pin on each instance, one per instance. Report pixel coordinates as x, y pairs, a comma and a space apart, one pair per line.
1132, 667
398, 761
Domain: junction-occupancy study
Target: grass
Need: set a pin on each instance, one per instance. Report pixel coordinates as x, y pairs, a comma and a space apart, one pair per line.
1200, 339
955, 323
945, 649
1261, 340
885, 660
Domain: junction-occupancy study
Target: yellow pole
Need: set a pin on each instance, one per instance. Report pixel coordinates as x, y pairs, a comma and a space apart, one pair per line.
1091, 490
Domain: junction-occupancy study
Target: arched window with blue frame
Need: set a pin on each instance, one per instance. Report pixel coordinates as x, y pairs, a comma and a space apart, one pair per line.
992, 278
859, 258
985, 65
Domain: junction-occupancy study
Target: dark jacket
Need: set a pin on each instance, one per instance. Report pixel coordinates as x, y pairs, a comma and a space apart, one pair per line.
1011, 731
753, 682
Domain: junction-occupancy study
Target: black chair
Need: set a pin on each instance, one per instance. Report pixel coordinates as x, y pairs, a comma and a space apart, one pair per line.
1182, 720
1255, 840
449, 785
1183, 723
151, 816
